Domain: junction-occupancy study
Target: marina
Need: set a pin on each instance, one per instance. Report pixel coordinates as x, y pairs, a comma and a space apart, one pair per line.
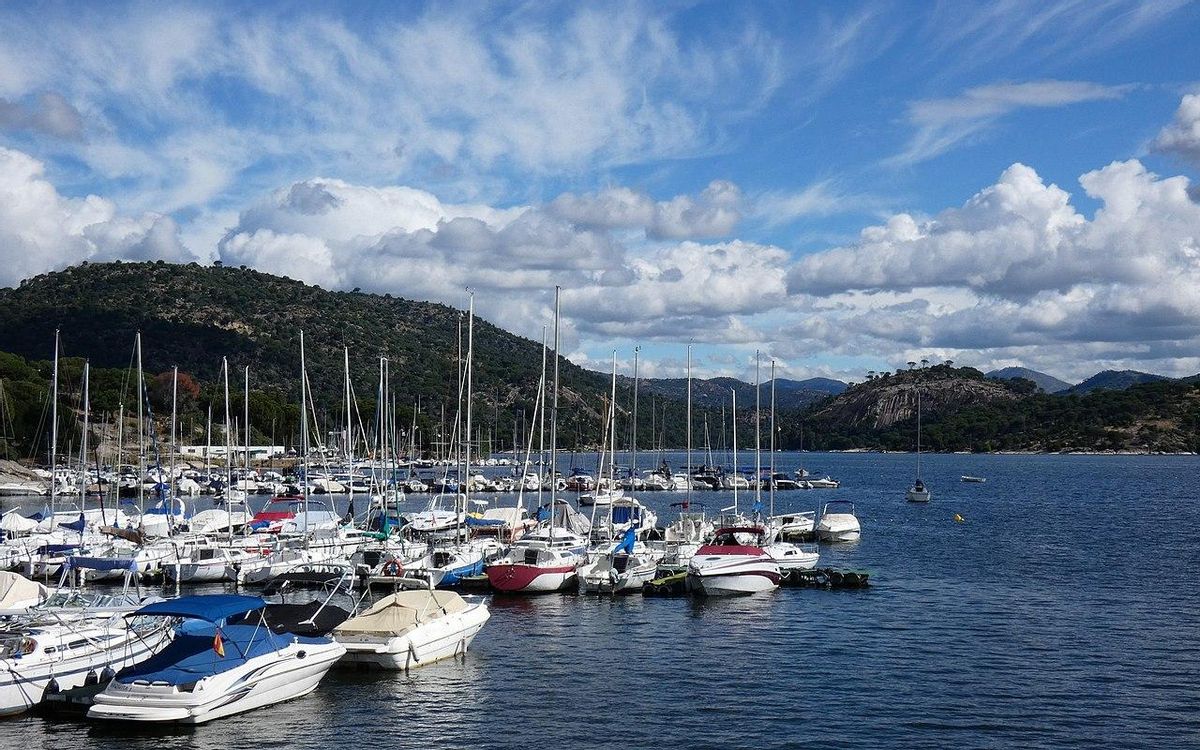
952, 610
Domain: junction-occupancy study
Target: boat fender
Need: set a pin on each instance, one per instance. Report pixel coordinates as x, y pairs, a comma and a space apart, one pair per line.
92, 678
108, 674
53, 688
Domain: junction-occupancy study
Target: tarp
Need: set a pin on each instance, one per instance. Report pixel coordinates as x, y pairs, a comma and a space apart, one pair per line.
404, 610
626, 543
17, 523
103, 563
77, 525
15, 588
211, 607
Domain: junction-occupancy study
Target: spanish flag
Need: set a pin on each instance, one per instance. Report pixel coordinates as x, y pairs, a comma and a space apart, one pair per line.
218, 644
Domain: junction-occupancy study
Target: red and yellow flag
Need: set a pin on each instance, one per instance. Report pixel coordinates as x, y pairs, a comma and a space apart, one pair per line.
219, 645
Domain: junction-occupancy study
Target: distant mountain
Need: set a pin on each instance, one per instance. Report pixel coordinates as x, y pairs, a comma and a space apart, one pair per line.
1115, 380
1047, 383
715, 392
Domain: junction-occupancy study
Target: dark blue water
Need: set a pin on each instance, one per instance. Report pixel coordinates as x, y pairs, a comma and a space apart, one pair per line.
1063, 612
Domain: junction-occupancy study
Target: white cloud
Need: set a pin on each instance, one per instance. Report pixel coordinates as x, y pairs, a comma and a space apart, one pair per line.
824, 198
715, 212
941, 124
1182, 136
41, 230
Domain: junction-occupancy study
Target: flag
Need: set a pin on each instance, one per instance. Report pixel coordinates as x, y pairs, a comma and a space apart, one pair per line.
218, 644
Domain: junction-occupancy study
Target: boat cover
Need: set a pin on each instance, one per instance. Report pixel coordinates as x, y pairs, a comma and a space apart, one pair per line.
404, 610
16, 523
15, 587
191, 656
211, 607
102, 563
310, 618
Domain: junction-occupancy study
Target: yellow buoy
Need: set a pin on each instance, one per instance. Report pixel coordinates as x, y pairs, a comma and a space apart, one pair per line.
958, 518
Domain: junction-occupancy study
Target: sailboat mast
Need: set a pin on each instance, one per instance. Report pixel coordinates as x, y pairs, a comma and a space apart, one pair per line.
757, 433
174, 447
141, 429
688, 471
304, 436
612, 437
83, 451
633, 441
541, 419
349, 443
246, 419
467, 454
54, 430
735, 459
228, 439
918, 432
554, 418
771, 493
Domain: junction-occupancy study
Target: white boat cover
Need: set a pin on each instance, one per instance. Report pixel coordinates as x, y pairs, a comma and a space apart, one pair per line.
16, 523
404, 610
15, 588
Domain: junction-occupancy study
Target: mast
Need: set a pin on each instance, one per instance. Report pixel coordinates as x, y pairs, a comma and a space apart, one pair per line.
612, 432
141, 429
918, 433
541, 417
688, 502
228, 441
349, 443
304, 436
83, 452
54, 430
757, 434
771, 494
735, 459
173, 448
246, 419
554, 418
469, 363
634, 442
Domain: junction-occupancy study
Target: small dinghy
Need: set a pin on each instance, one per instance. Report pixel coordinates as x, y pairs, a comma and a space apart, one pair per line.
411, 629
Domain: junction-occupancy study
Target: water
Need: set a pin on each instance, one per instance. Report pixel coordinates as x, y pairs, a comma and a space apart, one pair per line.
1063, 612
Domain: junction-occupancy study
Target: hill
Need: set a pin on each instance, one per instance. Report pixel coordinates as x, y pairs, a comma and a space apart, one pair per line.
191, 316
963, 411
1047, 383
713, 393
1115, 380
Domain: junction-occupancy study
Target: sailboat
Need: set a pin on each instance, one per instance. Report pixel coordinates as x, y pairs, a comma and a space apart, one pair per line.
918, 493
786, 555
545, 559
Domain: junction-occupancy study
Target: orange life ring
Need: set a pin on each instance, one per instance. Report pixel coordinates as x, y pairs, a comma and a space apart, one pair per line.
392, 569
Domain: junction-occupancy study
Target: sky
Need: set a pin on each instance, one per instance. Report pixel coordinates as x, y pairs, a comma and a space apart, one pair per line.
840, 186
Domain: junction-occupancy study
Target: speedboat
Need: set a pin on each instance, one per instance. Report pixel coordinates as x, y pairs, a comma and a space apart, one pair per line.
230, 655
727, 566
410, 629
53, 650
824, 483
790, 556
838, 522
918, 493
794, 524
975, 480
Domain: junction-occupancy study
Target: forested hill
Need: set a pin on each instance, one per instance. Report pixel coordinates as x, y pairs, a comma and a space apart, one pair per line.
191, 316
964, 410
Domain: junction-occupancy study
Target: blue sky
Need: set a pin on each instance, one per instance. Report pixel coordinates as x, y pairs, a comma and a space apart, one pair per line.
844, 186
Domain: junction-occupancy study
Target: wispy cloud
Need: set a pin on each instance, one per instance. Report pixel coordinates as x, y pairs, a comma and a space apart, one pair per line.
825, 198
943, 123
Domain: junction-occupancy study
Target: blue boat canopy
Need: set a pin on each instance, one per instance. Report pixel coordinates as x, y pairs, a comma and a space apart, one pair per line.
103, 563
214, 608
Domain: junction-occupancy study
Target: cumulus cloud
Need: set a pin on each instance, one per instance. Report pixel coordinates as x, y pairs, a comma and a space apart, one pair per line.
42, 230
1182, 136
943, 123
715, 212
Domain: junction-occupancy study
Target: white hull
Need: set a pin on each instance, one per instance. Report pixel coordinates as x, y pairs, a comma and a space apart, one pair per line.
604, 579
23, 681
730, 585
263, 681
443, 638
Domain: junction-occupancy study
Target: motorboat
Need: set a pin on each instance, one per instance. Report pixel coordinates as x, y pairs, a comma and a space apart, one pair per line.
918, 493
411, 629
210, 562
790, 556
974, 480
838, 522
791, 525
49, 650
437, 517
728, 566
823, 483
230, 655
783, 481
